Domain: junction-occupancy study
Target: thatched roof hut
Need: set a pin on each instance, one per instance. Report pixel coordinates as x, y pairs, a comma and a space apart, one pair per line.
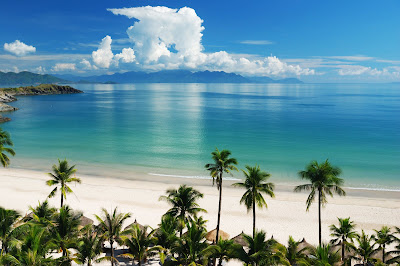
135, 223
212, 235
305, 245
239, 239
85, 221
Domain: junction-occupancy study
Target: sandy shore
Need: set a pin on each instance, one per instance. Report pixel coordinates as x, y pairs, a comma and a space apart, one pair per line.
285, 215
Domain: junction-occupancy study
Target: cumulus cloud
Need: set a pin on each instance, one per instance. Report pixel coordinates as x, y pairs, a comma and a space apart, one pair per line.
127, 55
63, 67
165, 38
40, 70
19, 48
355, 70
86, 65
103, 56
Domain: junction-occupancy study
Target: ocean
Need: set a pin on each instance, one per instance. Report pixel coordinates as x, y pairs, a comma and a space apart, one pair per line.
170, 129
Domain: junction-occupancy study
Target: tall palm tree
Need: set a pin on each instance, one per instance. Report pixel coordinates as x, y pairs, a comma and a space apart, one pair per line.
383, 237
141, 244
5, 140
110, 225
255, 185
224, 250
65, 230
89, 247
323, 256
166, 234
8, 220
184, 205
342, 233
324, 181
61, 176
222, 164
365, 250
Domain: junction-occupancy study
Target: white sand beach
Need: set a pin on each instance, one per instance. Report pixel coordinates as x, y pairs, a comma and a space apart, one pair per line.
286, 214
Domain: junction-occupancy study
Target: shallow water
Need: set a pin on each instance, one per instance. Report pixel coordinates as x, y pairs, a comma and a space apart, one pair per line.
170, 129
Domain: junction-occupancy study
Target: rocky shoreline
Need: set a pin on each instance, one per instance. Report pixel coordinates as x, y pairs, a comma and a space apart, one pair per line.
7, 95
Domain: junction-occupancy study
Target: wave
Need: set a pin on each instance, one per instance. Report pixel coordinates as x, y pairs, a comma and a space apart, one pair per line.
193, 176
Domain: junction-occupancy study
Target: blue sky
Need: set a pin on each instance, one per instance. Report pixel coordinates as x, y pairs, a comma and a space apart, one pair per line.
316, 41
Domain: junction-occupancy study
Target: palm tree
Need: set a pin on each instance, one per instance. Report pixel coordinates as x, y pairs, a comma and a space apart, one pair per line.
61, 176
141, 244
8, 220
383, 237
396, 251
184, 205
224, 250
5, 140
222, 164
190, 246
111, 227
261, 251
42, 214
323, 256
324, 181
65, 230
255, 185
342, 233
365, 250
166, 234
294, 255
89, 247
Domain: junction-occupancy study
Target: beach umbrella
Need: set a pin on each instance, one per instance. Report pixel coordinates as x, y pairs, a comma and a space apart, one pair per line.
378, 255
239, 239
338, 248
135, 223
304, 244
211, 236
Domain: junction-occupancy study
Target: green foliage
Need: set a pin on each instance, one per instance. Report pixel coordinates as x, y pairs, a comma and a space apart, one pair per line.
5, 141
40, 90
344, 232
62, 176
224, 250
89, 246
8, 230
323, 256
222, 164
365, 250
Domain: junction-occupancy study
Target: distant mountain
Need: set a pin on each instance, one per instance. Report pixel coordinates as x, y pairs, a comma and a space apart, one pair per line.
27, 78
175, 76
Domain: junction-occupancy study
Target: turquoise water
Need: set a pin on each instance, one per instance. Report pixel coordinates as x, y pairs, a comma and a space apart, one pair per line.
172, 128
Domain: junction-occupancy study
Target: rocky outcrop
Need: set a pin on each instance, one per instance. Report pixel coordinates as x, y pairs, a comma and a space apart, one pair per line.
8, 95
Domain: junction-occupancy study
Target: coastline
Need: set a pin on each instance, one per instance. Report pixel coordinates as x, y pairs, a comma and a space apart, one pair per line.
286, 215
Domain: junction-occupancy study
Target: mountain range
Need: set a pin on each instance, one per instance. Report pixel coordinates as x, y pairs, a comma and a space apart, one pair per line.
166, 76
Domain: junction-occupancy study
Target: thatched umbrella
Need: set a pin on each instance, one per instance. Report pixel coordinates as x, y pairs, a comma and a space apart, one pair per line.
305, 245
239, 239
135, 223
379, 253
85, 221
338, 248
212, 235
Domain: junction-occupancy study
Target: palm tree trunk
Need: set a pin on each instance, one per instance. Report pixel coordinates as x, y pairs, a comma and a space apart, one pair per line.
112, 252
220, 261
383, 253
62, 200
342, 248
219, 207
254, 215
319, 216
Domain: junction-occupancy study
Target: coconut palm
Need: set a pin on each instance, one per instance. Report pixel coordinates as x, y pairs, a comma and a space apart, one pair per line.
141, 244
222, 164
42, 214
255, 185
396, 252
8, 228
89, 247
184, 205
261, 251
382, 238
344, 232
191, 245
365, 249
323, 256
62, 176
110, 226
324, 181
5, 141
166, 234
293, 254
64, 231
224, 250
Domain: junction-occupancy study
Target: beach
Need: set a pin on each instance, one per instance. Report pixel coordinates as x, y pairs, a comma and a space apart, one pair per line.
286, 214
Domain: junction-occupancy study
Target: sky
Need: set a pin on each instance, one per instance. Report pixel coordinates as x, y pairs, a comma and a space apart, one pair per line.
315, 41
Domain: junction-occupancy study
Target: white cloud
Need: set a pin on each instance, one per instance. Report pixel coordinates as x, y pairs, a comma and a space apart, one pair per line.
86, 65
19, 48
127, 55
165, 38
257, 42
353, 58
40, 70
104, 55
355, 70
63, 67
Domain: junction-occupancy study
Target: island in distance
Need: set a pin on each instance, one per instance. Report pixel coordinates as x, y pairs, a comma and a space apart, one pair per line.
167, 76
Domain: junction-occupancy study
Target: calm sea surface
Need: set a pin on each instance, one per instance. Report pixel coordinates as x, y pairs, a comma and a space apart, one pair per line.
170, 129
